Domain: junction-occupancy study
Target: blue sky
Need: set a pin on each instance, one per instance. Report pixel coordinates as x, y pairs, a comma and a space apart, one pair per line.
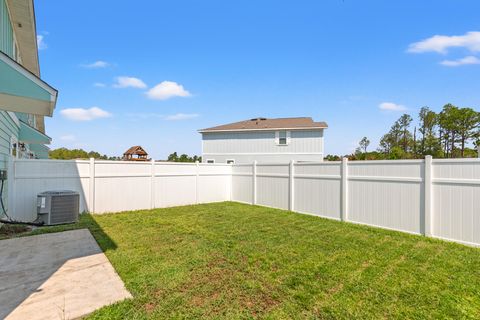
153, 72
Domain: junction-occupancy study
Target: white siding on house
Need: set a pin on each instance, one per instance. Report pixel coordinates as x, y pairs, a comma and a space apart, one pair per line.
244, 147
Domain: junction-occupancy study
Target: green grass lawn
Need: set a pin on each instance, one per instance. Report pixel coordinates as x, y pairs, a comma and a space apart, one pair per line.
230, 260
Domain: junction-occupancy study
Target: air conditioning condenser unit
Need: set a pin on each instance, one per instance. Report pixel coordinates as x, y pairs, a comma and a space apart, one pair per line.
58, 207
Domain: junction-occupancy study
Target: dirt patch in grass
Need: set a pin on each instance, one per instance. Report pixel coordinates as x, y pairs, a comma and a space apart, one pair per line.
149, 307
12, 230
216, 286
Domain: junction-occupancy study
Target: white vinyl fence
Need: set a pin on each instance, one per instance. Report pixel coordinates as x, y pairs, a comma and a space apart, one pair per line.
112, 186
439, 198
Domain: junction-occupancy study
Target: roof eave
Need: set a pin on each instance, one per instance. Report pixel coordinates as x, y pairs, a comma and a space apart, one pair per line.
23, 13
32, 135
261, 129
18, 103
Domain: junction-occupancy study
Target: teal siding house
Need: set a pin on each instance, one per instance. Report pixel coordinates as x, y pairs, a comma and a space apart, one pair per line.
25, 99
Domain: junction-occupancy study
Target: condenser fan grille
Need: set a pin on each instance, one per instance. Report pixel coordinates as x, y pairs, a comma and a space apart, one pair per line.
64, 209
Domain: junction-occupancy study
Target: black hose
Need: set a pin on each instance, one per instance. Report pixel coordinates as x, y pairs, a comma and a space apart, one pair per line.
10, 220
1, 201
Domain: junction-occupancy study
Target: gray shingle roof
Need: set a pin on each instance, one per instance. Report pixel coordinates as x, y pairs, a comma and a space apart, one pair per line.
265, 124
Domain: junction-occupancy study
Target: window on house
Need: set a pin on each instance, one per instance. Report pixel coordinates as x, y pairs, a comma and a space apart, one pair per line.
282, 138
210, 161
230, 161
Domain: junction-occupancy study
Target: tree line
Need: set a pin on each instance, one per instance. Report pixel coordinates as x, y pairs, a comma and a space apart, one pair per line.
69, 154
174, 157
451, 133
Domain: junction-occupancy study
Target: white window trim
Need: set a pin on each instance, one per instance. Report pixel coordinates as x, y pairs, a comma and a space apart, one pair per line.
277, 138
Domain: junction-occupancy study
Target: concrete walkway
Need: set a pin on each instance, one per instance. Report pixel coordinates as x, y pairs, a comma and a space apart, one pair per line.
56, 276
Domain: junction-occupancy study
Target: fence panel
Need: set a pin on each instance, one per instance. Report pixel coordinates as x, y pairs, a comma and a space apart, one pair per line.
272, 185
456, 200
242, 183
122, 186
34, 176
214, 182
317, 189
169, 179
388, 194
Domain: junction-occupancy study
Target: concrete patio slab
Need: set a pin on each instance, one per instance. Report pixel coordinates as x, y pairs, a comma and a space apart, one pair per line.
56, 276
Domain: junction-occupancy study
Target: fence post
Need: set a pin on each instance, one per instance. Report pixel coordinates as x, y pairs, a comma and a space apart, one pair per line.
291, 183
254, 180
344, 188
427, 181
196, 180
91, 197
11, 187
152, 184
231, 182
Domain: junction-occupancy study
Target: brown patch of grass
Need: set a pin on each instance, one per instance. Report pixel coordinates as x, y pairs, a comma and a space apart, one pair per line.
335, 289
216, 285
149, 307
12, 230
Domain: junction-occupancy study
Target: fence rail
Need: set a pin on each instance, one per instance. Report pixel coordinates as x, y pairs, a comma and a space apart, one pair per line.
438, 198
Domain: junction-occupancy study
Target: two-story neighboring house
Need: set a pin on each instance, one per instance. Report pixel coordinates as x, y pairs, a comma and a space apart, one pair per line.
264, 140
24, 98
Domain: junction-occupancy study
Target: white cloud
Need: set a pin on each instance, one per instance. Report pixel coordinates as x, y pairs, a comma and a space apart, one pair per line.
166, 90
96, 65
126, 82
441, 44
82, 114
461, 62
68, 137
41, 45
99, 85
181, 116
390, 106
